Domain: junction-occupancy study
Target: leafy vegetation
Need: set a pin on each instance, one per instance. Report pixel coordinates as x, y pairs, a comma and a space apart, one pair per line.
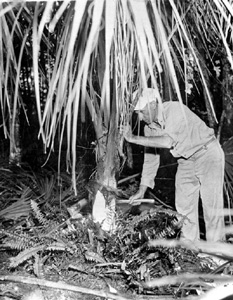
68, 72
45, 241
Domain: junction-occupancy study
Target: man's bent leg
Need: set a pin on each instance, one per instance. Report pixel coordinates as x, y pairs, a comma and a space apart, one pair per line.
187, 197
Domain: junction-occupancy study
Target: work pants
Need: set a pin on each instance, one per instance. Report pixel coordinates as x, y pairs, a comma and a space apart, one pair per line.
201, 175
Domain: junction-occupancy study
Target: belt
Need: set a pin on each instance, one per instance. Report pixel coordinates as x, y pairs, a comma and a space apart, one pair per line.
205, 146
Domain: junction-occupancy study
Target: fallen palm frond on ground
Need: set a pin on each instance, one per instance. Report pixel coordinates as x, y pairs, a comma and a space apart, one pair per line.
65, 286
114, 294
223, 250
216, 294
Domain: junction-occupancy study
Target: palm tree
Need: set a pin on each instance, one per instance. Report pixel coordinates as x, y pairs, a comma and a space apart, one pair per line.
98, 53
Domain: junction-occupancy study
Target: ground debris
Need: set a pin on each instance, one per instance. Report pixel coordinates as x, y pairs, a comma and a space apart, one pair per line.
51, 246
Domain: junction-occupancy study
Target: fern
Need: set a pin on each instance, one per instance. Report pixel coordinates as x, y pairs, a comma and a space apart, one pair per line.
155, 223
17, 241
130, 243
38, 266
167, 232
94, 257
33, 242
38, 214
145, 216
58, 246
25, 255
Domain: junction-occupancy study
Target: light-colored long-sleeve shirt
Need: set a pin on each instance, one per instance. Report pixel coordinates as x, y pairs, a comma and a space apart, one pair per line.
188, 132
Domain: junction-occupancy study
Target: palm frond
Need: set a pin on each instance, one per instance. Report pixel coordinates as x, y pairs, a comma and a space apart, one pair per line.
136, 41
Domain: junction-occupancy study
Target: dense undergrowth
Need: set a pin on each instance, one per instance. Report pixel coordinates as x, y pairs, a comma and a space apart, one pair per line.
39, 237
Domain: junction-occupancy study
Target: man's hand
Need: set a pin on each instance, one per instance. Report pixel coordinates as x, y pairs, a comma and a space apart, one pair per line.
139, 195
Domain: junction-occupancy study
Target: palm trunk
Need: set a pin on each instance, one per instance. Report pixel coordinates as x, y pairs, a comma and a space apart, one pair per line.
107, 175
103, 197
104, 201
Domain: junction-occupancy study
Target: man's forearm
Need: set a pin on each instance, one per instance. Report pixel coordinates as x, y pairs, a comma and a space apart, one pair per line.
149, 169
143, 188
152, 141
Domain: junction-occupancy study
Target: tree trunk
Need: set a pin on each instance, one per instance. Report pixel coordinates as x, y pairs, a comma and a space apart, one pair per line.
103, 197
103, 189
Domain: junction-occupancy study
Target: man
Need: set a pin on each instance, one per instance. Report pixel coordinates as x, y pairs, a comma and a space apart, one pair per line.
200, 162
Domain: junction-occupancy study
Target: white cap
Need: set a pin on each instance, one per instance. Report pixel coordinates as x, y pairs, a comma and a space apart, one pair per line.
148, 95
